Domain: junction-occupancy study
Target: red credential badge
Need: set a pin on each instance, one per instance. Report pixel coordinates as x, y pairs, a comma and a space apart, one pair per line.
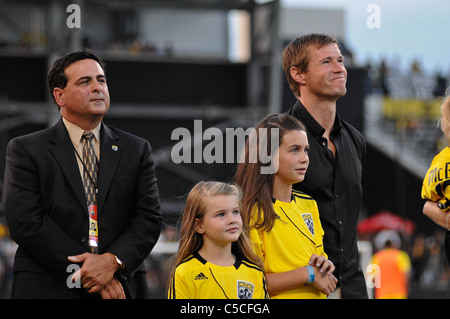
93, 228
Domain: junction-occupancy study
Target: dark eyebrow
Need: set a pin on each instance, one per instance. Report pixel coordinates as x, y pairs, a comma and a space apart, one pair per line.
298, 146
84, 78
102, 76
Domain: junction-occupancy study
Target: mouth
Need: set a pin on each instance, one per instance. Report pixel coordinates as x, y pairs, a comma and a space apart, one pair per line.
97, 97
339, 78
232, 230
301, 170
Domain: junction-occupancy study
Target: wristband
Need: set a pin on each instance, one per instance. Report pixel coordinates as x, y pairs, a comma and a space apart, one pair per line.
310, 275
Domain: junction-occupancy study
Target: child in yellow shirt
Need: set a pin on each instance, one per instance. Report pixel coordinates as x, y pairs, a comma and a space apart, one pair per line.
285, 227
437, 179
215, 259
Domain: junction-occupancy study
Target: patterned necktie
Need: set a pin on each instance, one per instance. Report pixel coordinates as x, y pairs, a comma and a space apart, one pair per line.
90, 169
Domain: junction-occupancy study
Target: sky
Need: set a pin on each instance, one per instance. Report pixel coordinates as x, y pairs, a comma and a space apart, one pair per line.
408, 30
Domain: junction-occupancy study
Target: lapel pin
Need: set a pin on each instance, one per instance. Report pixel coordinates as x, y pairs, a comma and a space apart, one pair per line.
114, 148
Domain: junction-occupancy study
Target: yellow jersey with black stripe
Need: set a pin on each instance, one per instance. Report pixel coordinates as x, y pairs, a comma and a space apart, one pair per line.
296, 234
196, 278
436, 181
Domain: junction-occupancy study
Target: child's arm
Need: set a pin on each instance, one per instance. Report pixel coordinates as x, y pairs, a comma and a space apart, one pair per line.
437, 215
279, 282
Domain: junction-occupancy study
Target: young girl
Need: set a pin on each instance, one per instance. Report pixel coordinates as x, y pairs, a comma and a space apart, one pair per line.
285, 228
215, 259
435, 184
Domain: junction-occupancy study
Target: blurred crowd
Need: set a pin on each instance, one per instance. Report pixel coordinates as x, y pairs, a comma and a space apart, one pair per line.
427, 272
411, 102
413, 82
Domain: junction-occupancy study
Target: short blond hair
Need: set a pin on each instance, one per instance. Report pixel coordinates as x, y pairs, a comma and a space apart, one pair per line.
297, 54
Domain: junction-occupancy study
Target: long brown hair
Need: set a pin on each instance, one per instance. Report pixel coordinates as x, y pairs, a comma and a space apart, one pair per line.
196, 205
257, 188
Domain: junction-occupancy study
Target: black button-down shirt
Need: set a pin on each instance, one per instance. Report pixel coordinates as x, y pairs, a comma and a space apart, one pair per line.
334, 181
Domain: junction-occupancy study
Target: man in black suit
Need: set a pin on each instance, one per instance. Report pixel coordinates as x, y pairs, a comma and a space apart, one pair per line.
46, 204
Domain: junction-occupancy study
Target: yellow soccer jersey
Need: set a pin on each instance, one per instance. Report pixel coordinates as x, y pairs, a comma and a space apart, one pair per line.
434, 186
295, 236
196, 278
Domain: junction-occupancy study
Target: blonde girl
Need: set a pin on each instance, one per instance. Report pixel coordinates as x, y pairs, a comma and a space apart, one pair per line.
215, 259
285, 227
437, 179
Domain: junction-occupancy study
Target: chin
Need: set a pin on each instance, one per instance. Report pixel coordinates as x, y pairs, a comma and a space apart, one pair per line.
98, 111
300, 179
342, 92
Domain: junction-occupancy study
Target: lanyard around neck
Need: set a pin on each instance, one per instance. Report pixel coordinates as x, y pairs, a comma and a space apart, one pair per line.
85, 167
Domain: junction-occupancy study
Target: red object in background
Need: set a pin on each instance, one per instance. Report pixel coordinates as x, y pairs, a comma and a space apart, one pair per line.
385, 220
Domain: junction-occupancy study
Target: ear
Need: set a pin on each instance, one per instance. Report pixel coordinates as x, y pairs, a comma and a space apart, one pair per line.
199, 226
58, 94
297, 75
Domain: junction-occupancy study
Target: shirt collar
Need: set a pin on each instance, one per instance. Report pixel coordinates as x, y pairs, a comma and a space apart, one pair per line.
274, 200
237, 262
76, 133
311, 124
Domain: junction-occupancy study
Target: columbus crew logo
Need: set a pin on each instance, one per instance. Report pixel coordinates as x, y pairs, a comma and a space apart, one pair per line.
245, 290
307, 218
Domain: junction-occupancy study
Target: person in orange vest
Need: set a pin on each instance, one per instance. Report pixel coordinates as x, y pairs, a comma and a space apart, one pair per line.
394, 267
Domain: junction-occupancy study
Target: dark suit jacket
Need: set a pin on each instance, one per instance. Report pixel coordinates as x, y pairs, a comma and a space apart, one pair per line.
46, 212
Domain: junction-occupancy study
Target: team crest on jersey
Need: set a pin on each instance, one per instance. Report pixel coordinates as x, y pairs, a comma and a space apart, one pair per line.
245, 290
307, 218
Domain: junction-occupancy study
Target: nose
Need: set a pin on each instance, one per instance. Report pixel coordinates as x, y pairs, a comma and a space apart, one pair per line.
233, 218
96, 86
339, 66
304, 158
